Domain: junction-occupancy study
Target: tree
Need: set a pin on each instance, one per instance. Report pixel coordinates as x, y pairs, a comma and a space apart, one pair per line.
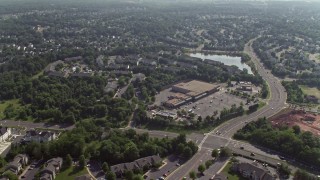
111, 176
208, 163
284, 170
2, 162
10, 175
296, 129
137, 177
303, 175
129, 175
105, 167
215, 153
82, 162
192, 175
187, 152
180, 148
68, 161
131, 152
201, 168
225, 152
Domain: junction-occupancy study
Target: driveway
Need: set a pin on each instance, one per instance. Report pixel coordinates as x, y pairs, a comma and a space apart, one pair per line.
31, 170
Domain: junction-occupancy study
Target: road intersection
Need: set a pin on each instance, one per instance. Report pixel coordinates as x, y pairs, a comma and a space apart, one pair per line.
221, 136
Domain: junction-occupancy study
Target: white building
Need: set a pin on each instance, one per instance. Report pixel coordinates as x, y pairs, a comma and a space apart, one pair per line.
4, 133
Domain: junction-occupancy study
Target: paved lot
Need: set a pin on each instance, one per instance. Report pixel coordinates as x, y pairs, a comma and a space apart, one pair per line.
169, 167
205, 106
95, 169
31, 170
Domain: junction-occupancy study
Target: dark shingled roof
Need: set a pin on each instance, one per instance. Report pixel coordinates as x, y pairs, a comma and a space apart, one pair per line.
3, 130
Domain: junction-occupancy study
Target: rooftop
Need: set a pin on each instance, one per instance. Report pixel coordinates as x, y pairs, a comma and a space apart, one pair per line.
196, 87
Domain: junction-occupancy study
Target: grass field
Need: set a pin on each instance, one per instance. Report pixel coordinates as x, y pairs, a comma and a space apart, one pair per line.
310, 91
71, 173
37, 75
4, 104
231, 175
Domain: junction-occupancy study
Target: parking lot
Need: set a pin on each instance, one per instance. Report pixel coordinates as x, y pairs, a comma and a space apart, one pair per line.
215, 102
205, 106
31, 171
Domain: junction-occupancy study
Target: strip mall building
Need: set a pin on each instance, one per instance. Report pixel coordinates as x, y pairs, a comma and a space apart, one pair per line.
190, 91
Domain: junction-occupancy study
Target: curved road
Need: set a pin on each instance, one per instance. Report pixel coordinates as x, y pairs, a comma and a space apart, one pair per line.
221, 136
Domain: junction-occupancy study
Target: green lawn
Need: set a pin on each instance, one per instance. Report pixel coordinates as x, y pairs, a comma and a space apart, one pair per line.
310, 91
37, 75
71, 173
261, 104
231, 175
4, 104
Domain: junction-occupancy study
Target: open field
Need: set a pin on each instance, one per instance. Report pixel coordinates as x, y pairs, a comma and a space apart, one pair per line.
306, 121
71, 173
310, 91
5, 104
38, 75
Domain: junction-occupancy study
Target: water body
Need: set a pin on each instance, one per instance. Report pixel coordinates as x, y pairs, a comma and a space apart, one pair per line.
227, 60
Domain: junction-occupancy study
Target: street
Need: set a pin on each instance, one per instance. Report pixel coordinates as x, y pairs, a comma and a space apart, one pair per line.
276, 103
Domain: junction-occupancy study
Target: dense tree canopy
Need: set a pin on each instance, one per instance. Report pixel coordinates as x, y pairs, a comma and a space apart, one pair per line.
303, 146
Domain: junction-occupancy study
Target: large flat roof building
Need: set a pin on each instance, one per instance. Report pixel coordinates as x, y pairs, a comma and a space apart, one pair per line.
188, 91
194, 88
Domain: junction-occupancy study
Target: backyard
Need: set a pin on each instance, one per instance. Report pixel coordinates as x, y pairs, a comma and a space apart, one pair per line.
310, 91
231, 175
71, 173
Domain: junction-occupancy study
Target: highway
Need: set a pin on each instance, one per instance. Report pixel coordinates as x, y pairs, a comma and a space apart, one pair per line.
221, 136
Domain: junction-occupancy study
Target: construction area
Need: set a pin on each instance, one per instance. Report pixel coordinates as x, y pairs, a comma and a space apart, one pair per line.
305, 120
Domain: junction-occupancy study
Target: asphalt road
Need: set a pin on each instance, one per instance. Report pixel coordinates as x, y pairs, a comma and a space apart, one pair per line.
31, 125
169, 166
30, 172
225, 131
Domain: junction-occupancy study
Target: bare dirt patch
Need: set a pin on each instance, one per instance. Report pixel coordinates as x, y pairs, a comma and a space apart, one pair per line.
306, 121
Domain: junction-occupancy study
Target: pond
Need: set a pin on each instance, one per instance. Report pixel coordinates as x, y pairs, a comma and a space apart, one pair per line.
225, 59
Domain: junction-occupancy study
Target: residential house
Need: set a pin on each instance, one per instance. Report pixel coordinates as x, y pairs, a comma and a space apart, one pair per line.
4, 133
39, 136
138, 164
77, 58
82, 74
112, 86
18, 163
139, 77
51, 169
311, 98
252, 171
57, 74
121, 73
